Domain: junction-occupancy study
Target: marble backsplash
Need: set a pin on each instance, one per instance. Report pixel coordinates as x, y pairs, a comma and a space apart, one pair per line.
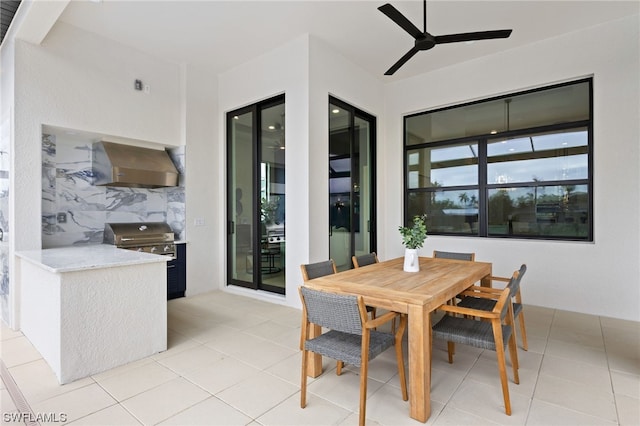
74, 211
5, 289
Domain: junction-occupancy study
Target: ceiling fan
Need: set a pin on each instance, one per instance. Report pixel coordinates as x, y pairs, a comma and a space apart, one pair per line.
425, 41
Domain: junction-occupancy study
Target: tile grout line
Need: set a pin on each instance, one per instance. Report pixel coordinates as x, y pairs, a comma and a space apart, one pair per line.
24, 409
542, 358
606, 354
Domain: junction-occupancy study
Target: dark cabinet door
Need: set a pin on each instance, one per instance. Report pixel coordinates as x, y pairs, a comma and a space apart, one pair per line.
177, 273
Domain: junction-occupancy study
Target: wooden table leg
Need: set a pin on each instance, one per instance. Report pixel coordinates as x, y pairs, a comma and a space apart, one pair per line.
314, 362
486, 281
419, 363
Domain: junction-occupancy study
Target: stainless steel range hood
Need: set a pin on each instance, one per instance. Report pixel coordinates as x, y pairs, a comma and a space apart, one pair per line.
117, 164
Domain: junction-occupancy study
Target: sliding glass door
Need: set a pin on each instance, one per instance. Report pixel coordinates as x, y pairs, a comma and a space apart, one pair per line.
255, 196
351, 183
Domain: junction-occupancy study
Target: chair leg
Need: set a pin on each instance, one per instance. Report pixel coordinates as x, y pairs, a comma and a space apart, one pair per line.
513, 352
303, 381
451, 349
502, 367
364, 372
339, 366
523, 332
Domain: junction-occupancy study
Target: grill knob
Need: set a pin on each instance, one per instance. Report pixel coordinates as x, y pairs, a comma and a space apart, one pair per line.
139, 249
167, 248
154, 249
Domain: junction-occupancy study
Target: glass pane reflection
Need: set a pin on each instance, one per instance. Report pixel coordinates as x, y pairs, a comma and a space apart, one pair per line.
538, 158
449, 166
549, 211
447, 211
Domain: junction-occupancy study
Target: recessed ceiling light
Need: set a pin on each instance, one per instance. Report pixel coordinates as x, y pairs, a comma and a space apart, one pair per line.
272, 127
235, 117
335, 110
493, 132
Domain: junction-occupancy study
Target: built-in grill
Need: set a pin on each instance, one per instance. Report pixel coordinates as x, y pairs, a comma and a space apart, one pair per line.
275, 234
148, 237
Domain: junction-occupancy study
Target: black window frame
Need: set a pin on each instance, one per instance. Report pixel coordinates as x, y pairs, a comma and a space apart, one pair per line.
483, 187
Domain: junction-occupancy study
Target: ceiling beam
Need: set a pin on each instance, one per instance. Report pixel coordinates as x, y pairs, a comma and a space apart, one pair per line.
34, 19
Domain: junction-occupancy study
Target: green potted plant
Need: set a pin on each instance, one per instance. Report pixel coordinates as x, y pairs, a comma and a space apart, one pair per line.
268, 209
413, 238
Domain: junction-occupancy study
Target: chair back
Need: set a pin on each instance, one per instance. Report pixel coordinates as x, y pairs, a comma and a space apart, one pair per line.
319, 269
514, 284
333, 311
454, 255
365, 259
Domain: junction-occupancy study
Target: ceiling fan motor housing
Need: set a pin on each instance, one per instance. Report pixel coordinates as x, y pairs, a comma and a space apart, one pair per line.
426, 42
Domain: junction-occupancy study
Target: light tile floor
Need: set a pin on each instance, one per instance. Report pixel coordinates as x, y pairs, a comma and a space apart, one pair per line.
234, 360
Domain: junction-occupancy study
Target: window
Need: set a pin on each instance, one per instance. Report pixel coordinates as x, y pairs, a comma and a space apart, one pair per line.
515, 166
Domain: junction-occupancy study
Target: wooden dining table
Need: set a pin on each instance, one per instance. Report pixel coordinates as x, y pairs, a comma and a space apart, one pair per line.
385, 285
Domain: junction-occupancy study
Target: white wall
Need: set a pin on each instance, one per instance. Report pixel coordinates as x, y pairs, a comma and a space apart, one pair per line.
599, 278
203, 155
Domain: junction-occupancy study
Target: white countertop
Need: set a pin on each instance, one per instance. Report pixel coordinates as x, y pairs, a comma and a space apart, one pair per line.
78, 258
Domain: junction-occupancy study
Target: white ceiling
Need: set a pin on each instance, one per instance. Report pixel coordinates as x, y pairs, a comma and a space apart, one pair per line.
223, 34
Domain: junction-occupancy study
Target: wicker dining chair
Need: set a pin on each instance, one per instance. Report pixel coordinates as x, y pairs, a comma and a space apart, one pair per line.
364, 259
320, 269
454, 255
471, 257
516, 297
350, 337
483, 329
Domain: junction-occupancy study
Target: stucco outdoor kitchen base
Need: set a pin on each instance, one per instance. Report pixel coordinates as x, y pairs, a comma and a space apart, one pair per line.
106, 308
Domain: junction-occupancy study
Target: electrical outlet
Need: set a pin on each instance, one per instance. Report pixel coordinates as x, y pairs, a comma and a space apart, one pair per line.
147, 89
199, 221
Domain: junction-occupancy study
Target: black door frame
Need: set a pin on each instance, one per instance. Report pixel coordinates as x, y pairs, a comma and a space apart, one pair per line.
256, 242
353, 113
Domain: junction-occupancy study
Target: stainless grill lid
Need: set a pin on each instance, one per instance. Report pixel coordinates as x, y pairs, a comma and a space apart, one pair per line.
137, 234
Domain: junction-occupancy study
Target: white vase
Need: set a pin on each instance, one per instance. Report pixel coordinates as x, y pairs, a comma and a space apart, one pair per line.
411, 261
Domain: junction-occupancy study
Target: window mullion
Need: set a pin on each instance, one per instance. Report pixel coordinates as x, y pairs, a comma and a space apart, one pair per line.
483, 216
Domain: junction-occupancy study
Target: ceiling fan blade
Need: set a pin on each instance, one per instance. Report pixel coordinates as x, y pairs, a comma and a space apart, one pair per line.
402, 61
400, 19
480, 35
